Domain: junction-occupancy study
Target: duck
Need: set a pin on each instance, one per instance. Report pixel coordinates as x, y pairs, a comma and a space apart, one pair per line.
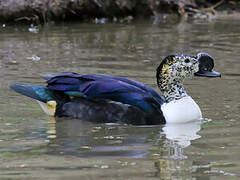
112, 99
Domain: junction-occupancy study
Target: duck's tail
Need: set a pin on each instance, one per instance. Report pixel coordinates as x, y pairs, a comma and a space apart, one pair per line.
48, 99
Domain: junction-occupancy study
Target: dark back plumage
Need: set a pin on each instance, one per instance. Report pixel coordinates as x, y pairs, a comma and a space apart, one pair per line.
95, 87
95, 96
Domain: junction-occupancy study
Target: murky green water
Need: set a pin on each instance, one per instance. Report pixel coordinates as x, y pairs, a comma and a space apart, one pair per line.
34, 146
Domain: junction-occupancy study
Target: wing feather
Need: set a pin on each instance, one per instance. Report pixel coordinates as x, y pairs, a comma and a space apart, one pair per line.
106, 87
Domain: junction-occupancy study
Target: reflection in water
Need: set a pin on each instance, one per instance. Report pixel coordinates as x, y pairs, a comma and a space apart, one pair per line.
173, 163
83, 138
182, 134
174, 169
51, 131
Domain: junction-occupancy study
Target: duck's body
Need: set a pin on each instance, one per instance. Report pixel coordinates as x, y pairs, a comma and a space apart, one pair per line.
96, 98
104, 99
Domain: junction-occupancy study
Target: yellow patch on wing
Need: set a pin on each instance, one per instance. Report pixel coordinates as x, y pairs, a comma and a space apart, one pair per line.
49, 108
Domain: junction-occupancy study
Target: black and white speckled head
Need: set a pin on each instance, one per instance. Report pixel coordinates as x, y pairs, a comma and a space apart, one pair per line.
175, 68
178, 66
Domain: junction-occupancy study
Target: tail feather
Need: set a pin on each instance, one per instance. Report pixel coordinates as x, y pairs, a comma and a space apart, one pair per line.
39, 93
47, 98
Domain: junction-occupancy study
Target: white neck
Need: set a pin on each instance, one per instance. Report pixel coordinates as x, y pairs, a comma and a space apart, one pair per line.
181, 110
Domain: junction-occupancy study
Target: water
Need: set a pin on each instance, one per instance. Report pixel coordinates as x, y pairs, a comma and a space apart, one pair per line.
35, 146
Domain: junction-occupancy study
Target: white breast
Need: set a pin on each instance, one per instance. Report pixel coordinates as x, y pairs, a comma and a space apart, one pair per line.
181, 111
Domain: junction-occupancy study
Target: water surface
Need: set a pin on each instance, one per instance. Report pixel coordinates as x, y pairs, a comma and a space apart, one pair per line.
33, 145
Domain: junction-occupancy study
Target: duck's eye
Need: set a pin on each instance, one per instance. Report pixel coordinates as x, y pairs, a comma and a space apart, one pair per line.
186, 60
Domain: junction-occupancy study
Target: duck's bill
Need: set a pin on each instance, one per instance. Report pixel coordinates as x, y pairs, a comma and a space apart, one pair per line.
208, 74
206, 64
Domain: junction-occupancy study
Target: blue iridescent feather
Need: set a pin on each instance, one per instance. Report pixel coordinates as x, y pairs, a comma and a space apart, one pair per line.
106, 87
40, 93
98, 98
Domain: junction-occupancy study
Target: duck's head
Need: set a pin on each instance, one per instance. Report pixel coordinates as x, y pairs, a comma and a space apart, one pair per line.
175, 68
